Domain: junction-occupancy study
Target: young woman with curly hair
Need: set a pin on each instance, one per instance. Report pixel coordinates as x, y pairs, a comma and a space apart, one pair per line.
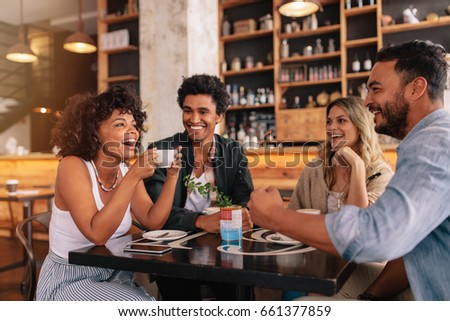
96, 194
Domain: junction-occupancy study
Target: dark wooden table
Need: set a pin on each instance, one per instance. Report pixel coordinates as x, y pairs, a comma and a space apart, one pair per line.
201, 257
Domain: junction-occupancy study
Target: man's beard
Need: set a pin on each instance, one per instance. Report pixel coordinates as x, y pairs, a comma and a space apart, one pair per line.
395, 116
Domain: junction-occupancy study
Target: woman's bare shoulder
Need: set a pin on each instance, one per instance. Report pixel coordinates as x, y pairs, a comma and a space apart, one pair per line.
71, 163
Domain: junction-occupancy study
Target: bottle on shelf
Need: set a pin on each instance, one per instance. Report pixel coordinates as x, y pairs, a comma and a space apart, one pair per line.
235, 95
241, 133
318, 49
284, 49
236, 64
249, 62
356, 65
296, 102
314, 22
362, 90
360, 3
226, 26
367, 64
270, 96
232, 133
283, 103
224, 66
348, 4
262, 96
311, 103
250, 97
331, 47
242, 98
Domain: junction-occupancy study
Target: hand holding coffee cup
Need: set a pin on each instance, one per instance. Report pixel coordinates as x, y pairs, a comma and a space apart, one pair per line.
11, 186
165, 157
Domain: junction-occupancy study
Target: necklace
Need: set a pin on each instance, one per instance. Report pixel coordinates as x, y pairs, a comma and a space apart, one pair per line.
339, 196
99, 181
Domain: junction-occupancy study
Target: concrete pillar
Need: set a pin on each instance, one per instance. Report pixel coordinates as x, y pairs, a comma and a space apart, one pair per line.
178, 38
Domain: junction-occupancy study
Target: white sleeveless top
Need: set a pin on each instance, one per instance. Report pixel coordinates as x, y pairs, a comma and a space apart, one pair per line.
64, 235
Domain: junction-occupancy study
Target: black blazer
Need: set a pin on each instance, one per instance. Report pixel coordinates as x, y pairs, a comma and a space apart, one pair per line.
231, 174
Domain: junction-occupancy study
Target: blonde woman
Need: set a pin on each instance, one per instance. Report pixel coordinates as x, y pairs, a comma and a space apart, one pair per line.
350, 170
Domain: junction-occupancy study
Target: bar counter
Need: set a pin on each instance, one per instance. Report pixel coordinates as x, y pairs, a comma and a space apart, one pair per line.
32, 170
281, 167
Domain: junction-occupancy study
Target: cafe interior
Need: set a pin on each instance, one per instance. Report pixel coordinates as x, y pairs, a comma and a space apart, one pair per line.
281, 63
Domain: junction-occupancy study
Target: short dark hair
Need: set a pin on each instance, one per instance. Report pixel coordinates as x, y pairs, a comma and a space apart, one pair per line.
205, 85
419, 58
76, 132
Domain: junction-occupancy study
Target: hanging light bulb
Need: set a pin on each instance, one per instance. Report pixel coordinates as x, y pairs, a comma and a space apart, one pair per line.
79, 42
20, 52
299, 8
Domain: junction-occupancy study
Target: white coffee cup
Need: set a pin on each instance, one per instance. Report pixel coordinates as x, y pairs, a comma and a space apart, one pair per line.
308, 211
284, 237
11, 186
165, 157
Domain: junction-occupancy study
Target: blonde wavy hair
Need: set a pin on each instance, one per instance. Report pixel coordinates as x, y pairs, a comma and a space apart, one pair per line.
367, 146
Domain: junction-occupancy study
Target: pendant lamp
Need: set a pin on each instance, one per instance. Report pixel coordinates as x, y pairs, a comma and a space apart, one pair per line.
20, 52
79, 42
299, 8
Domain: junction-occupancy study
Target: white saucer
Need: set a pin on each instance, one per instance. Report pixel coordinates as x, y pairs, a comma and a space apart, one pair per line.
283, 240
172, 235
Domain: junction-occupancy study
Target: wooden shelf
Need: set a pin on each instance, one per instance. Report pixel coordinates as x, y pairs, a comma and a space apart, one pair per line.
308, 83
240, 107
121, 78
360, 10
120, 50
327, 55
361, 42
443, 21
236, 3
357, 31
307, 33
119, 19
357, 75
246, 71
246, 35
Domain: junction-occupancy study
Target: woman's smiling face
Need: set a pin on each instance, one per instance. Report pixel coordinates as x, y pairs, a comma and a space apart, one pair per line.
341, 131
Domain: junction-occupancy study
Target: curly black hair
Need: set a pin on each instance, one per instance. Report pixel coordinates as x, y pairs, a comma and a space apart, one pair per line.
76, 132
205, 85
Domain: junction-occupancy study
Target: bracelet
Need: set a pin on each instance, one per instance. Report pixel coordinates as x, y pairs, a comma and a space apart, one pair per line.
367, 296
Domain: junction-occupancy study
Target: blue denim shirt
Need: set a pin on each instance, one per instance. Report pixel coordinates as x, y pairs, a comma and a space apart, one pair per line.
411, 219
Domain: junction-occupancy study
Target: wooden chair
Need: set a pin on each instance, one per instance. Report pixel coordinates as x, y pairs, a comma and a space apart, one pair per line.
44, 220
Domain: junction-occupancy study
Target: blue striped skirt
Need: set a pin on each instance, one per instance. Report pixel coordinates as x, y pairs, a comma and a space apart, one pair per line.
61, 281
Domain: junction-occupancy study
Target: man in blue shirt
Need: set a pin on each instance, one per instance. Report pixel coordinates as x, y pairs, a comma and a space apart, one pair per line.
411, 219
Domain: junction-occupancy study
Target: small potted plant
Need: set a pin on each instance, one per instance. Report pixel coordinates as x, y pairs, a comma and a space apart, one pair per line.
230, 214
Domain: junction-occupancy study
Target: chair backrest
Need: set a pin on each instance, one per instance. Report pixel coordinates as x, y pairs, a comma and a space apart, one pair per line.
21, 232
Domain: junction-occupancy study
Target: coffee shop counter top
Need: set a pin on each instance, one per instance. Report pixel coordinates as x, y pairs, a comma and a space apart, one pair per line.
281, 167
32, 170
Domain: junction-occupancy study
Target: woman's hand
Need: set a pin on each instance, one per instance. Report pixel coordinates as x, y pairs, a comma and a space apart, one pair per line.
176, 164
145, 165
346, 157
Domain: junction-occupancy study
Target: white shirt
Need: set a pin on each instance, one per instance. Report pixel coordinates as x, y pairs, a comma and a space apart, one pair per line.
196, 202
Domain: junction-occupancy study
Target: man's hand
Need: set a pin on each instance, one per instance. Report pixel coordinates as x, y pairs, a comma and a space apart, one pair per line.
264, 205
208, 223
247, 223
